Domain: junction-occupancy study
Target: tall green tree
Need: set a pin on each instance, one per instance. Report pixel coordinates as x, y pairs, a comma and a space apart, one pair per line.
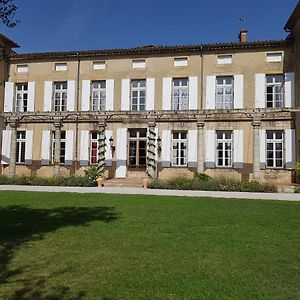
7, 13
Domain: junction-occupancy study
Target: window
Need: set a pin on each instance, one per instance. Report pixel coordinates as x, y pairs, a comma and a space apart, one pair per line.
179, 148
22, 68
274, 144
61, 67
138, 95
224, 59
274, 57
98, 95
224, 92
60, 96
94, 148
139, 63
224, 149
99, 65
20, 149
180, 62
137, 149
62, 146
21, 97
274, 90
180, 95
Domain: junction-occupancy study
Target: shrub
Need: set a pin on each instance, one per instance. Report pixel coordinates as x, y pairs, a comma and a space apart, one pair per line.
297, 189
92, 174
202, 176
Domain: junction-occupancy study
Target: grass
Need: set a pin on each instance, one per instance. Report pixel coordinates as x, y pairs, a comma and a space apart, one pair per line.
76, 246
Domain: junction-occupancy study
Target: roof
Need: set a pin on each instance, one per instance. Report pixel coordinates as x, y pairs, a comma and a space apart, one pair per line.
151, 50
293, 18
6, 42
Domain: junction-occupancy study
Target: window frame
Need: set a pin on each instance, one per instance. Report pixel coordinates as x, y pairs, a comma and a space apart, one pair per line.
21, 107
62, 105
100, 91
178, 91
138, 90
224, 86
179, 150
274, 142
273, 84
93, 140
21, 147
224, 141
63, 140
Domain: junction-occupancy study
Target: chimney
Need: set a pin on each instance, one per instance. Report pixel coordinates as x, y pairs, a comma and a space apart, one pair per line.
243, 36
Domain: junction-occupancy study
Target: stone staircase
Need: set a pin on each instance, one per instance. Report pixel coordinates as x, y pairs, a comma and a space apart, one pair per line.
124, 182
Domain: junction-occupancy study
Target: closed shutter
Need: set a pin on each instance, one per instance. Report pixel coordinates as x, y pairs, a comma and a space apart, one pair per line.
86, 95
290, 148
193, 93
110, 94
121, 153
125, 96
192, 148
71, 95
238, 149
31, 96
108, 153
262, 147
289, 88
48, 86
28, 147
46, 147
167, 93
210, 92
238, 91
166, 148
69, 147
260, 90
6, 139
84, 147
9, 97
210, 149
150, 86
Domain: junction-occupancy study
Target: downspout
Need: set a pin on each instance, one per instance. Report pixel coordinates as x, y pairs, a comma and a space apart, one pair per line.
202, 79
77, 111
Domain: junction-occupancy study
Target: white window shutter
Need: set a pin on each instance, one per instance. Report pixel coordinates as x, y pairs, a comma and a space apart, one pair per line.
192, 148
84, 147
48, 90
28, 147
9, 97
150, 90
6, 139
238, 149
108, 153
69, 147
289, 88
86, 95
238, 91
166, 148
31, 96
125, 96
290, 149
262, 148
210, 92
210, 149
71, 95
167, 93
110, 94
260, 90
121, 153
46, 147
193, 93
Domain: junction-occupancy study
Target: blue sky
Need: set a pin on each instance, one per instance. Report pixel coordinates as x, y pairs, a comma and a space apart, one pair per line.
60, 25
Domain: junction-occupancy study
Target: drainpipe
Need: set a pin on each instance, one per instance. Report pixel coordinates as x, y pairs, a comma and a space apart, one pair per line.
77, 110
202, 79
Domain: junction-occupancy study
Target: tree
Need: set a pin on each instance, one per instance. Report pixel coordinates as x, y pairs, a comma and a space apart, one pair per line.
7, 13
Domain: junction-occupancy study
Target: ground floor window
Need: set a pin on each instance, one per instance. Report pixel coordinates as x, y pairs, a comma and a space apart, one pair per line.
179, 148
274, 149
20, 149
224, 149
62, 147
137, 151
94, 148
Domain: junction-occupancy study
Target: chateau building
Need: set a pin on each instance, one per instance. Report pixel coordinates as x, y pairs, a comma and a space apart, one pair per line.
228, 109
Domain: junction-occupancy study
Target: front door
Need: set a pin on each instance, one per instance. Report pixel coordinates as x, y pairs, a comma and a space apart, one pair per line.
137, 149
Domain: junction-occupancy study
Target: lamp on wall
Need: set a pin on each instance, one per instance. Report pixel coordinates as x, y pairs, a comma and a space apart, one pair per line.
111, 144
159, 144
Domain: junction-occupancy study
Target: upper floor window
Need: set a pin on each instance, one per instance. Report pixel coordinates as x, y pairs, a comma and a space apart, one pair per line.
139, 63
224, 59
224, 148
62, 147
60, 96
99, 65
274, 90
179, 148
94, 147
61, 67
180, 62
22, 68
274, 150
21, 96
138, 94
20, 149
224, 92
180, 94
274, 57
98, 95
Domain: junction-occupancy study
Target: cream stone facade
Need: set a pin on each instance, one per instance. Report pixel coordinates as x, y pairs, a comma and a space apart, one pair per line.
223, 109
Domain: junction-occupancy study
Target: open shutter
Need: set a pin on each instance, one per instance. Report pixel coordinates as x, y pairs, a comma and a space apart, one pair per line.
31, 96
289, 89
210, 92
48, 86
166, 148
125, 94
290, 148
210, 149
9, 97
86, 95
167, 93
193, 93
69, 147
262, 147
84, 147
238, 149
260, 88
46, 146
192, 148
6, 139
28, 147
150, 86
110, 94
71, 95
238, 91
108, 153
121, 152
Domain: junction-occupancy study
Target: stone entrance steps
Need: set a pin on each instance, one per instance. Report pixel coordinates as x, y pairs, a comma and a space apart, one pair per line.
124, 182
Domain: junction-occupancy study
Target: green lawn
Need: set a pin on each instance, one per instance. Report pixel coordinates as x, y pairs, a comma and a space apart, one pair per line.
75, 246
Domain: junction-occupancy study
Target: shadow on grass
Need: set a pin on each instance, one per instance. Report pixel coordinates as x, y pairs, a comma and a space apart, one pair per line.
21, 224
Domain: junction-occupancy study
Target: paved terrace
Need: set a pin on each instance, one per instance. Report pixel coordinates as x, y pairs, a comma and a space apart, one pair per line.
141, 191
